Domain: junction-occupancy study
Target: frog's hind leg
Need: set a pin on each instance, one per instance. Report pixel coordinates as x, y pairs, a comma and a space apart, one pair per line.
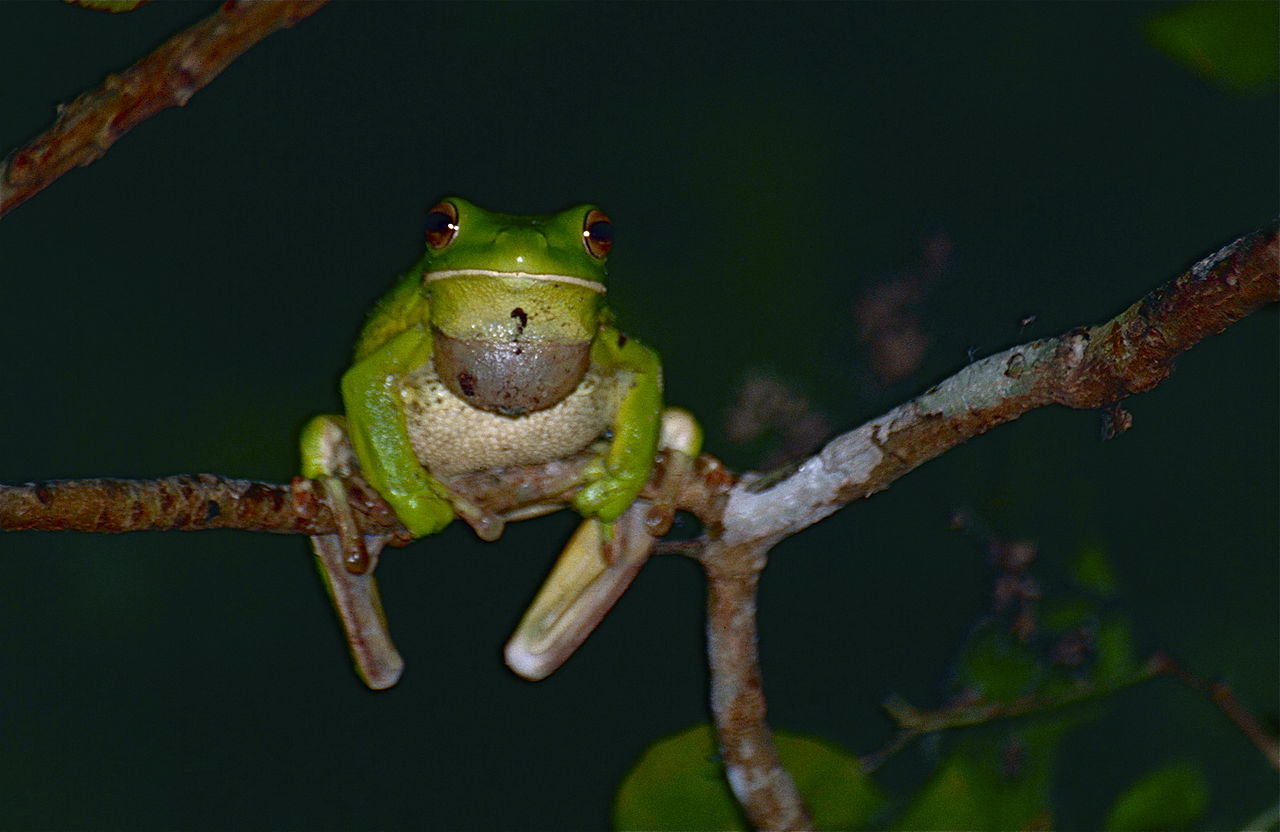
355, 599
346, 560
600, 562
588, 578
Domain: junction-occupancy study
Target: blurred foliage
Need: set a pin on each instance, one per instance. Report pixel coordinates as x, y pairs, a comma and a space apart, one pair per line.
990, 783
1236, 45
998, 770
1093, 571
679, 783
1171, 797
112, 6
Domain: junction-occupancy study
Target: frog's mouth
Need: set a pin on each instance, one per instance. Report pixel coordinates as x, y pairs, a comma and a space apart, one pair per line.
593, 285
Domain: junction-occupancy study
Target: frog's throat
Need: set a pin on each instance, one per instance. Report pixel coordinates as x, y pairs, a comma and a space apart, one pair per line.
509, 377
593, 285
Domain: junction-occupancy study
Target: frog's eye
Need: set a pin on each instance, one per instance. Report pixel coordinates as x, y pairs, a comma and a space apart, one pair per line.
442, 225
597, 234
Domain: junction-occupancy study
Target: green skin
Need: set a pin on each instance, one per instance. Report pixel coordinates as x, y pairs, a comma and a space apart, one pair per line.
537, 263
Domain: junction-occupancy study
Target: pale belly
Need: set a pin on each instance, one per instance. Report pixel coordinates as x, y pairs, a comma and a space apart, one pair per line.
450, 436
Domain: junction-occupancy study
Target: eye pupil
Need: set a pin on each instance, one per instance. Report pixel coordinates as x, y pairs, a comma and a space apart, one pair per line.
597, 234
601, 231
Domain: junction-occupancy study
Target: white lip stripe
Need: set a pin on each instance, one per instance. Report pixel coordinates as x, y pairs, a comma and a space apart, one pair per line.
593, 285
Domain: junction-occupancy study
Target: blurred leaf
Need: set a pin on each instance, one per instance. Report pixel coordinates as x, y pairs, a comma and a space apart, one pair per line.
1116, 657
994, 663
679, 783
1232, 44
990, 784
1063, 614
1172, 797
1092, 570
112, 6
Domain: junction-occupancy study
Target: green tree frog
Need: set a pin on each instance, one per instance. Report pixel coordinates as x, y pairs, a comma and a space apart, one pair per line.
496, 349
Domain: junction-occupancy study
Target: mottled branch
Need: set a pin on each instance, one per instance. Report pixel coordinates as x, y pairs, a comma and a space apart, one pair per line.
759, 782
184, 502
1088, 367
168, 77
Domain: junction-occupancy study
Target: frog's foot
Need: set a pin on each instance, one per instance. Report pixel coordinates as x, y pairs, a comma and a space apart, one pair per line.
607, 493
680, 442
610, 488
589, 577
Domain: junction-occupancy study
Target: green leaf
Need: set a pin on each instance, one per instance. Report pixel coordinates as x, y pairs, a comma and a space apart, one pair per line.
112, 6
998, 665
1062, 614
1172, 797
679, 783
1092, 570
990, 784
1117, 662
1232, 44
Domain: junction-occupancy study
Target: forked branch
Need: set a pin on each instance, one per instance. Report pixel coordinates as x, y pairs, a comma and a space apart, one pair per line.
1088, 367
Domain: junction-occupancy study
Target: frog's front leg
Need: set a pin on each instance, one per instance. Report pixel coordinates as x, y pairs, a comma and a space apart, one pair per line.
376, 422
614, 480
600, 561
346, 560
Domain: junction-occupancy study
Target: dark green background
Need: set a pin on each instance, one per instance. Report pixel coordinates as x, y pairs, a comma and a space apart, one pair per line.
187, 302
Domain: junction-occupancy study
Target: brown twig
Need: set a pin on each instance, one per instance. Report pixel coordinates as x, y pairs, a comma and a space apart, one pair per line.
195, 502
185, 502
759, 782
1221, 695
168, 77
914, 723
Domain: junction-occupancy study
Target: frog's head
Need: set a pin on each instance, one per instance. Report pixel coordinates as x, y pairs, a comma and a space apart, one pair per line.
515, 301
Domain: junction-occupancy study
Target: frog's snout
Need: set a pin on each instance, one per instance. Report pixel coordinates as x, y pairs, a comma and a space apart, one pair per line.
513, 245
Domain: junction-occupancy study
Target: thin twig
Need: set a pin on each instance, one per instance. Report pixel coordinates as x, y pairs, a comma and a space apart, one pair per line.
168, 77
1221, 695
914, 723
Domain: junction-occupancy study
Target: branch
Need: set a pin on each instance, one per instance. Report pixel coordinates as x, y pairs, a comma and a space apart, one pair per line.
914, 723
168, 77
1088, 367
195, 502
761, 785
1091, 367
1221, 695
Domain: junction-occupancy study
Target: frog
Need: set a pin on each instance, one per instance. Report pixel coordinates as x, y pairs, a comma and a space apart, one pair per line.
496, 349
